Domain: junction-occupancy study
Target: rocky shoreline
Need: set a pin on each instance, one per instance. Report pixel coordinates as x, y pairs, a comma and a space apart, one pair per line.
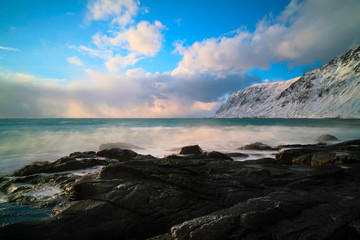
304, 192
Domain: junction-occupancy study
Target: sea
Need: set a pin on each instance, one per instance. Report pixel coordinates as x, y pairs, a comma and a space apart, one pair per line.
23, 141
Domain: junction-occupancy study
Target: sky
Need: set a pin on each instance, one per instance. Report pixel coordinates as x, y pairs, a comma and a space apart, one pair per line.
159, 58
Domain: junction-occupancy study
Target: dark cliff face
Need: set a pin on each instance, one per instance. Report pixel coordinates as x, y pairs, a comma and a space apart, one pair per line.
312, 95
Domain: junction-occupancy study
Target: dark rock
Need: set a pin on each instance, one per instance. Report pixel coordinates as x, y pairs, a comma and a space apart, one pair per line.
219, 155
194, 149
327, 158
89, 154
352, 143
117, 153
35, 167
299, 145
255, 177
355, 225
143, 157
257, 146
121, 145
237, 154
339, 153
326, 138
237, 221
187, 156
286, 157
61, 165
198, 196
261, 161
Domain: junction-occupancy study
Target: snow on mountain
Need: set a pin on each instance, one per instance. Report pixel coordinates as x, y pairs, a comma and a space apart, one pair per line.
332, 91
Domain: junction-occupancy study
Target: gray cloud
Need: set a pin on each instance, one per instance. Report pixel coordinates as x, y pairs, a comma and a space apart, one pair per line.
110, 95
206, 87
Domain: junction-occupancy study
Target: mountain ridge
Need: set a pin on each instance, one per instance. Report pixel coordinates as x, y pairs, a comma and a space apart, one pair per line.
331, 91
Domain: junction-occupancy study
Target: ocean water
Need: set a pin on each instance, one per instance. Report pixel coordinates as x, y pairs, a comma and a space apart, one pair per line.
23, 141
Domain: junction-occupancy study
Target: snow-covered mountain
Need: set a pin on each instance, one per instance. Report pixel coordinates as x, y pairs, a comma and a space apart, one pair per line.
332, 91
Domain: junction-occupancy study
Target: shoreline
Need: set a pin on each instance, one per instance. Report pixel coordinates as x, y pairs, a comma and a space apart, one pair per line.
192, 195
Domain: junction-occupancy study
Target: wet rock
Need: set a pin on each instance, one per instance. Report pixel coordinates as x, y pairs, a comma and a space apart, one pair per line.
255, 177
117, 153
200, 196
143, 157
121, 145
215, 154
261, 161
194, 149
61, 165
89, 154
237, 154
256, 146
327, 158
237, 221
297, 146
355, 225
187, 156
326, 138
286, 157
322, 155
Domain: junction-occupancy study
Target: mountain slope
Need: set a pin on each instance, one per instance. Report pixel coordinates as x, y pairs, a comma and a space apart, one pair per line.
327, 92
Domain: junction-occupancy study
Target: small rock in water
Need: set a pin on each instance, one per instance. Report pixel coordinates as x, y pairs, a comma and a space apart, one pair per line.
194, 149
256, 146
122, 145
326, 138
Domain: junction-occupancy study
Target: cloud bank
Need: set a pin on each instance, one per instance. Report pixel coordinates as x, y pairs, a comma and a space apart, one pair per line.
134, 94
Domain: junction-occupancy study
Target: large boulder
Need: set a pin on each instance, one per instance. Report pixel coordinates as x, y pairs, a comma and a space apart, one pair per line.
256, 146
326, 138
193, 149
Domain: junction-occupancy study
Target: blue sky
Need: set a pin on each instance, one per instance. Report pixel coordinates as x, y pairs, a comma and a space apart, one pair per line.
129, 58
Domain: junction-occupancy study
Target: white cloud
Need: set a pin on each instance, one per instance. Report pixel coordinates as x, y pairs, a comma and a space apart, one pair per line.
128, 43
75, 60
9, 48
306, 31
144, 39
104, 54
120, 11
114, 63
